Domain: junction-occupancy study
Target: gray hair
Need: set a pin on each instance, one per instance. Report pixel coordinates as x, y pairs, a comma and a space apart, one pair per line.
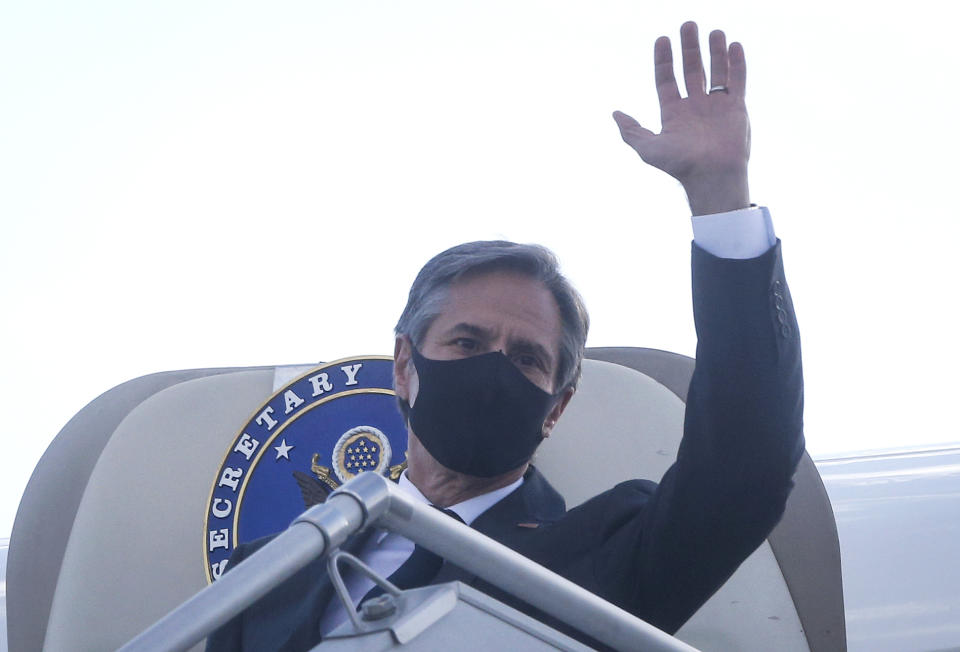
429, 292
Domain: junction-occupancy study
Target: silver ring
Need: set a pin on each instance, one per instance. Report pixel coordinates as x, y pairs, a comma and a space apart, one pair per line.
720, 87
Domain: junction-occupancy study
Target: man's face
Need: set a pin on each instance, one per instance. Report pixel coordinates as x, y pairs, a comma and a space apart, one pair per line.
496, 311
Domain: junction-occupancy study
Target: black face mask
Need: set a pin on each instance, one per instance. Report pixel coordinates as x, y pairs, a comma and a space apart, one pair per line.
480, 415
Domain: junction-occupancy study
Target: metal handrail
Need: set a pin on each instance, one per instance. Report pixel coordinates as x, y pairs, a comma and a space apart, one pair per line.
371, 499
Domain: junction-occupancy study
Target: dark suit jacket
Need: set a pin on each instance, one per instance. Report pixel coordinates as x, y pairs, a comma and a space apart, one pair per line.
657, 550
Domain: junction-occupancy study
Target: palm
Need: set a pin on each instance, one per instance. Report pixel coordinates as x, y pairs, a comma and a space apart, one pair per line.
698, 135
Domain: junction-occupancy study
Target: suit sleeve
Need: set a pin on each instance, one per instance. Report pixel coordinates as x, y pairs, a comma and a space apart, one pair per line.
228, 637
667, 548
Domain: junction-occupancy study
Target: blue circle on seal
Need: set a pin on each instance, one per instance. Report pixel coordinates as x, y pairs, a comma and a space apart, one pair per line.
322, 429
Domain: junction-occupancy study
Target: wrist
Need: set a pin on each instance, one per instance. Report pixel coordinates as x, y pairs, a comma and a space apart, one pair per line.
717, 193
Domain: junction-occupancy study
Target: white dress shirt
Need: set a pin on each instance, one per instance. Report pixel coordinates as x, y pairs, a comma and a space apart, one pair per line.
746, 233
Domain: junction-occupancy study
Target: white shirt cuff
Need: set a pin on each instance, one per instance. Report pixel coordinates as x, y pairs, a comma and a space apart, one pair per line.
744, 233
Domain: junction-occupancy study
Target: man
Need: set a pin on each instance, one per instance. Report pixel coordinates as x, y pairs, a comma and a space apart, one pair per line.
487, 357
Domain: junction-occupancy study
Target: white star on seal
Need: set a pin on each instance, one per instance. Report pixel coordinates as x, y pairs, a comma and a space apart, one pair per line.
283, 450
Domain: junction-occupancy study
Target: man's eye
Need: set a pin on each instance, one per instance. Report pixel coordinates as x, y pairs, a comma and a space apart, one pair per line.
466, 344
526, 361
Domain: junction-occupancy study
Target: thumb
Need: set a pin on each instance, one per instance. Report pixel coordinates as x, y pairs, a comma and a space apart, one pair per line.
631, 131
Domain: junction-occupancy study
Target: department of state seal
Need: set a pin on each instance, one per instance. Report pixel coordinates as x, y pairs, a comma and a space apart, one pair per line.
322, 429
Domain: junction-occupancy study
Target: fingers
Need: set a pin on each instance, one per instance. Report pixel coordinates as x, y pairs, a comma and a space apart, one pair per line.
693, 74
667, 90
727, 67
718, 59
737, 70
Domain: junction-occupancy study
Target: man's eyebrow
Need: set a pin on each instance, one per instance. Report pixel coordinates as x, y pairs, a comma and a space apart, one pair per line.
521, 345
469, 329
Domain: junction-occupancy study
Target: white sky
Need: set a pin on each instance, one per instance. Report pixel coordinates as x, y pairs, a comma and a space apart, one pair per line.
189, 184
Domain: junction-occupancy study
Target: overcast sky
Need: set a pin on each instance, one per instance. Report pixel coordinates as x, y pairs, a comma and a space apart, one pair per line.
191, 184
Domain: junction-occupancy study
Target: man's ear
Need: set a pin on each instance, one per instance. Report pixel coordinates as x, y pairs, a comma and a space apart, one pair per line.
402, 367
556, 411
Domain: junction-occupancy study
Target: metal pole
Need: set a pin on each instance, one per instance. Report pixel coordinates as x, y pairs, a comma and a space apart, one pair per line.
372, 499
523, 578
321, 528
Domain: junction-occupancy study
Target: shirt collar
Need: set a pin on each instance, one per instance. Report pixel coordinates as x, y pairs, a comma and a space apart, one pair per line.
471, 508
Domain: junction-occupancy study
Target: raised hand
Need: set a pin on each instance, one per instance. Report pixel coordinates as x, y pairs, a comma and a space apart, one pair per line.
704, 141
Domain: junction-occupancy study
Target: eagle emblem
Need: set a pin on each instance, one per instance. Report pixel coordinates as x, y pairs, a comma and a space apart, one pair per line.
360, 449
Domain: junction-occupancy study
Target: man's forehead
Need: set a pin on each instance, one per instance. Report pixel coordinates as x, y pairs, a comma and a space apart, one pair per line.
488, 301
504, 287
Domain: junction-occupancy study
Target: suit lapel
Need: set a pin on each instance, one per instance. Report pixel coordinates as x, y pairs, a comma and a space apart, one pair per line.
513, 521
